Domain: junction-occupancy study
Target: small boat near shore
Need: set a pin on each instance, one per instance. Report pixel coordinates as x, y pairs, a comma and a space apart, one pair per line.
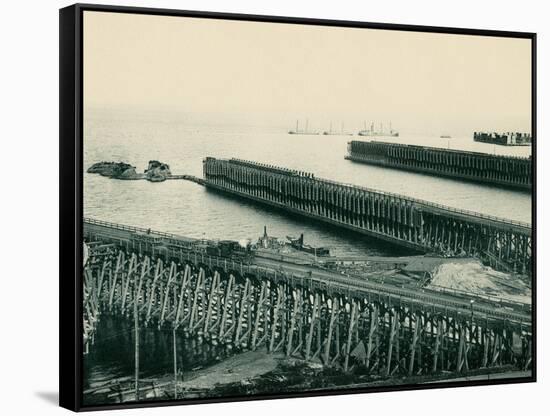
298, 244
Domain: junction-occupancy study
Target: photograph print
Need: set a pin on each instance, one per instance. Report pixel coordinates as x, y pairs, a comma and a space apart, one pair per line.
284, 207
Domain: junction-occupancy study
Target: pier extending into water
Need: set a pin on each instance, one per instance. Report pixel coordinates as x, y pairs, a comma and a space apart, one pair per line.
408, 222
323, 317
506, 171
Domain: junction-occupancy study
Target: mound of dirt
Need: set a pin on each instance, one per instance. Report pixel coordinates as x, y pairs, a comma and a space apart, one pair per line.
472, 276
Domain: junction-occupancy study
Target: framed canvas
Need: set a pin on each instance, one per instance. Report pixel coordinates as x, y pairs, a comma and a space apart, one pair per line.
256, 207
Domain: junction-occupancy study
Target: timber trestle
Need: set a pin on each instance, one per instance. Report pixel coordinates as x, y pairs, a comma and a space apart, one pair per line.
225, 304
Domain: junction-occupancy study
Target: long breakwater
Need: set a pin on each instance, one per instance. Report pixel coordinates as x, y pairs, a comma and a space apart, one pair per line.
415, 224
506, 171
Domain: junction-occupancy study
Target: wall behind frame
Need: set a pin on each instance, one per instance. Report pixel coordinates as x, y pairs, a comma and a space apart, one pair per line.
29, 209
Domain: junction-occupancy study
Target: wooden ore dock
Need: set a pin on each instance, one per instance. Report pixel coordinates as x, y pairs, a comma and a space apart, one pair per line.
504, 171
415, 224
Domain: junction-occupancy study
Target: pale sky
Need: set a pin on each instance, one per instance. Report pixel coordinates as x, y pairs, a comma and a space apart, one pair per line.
276, 73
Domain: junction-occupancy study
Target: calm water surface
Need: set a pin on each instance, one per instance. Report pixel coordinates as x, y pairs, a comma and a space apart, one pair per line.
189, 209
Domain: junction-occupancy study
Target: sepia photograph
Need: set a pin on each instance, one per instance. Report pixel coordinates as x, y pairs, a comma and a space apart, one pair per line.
274, 209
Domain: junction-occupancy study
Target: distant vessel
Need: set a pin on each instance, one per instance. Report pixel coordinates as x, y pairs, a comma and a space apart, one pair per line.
306, 131
336, 133
381, 133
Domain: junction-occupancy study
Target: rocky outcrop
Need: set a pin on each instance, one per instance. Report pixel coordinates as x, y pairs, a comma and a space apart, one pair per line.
115, 170
156, 171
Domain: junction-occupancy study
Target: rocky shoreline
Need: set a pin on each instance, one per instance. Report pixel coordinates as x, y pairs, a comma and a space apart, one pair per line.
156, 171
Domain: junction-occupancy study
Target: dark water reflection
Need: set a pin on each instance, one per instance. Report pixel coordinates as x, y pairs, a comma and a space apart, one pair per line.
110, 364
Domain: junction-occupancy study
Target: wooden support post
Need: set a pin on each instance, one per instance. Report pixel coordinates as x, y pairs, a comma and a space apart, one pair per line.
243, 305
194, 307
294, 316
119, 264
131, 269
145, 269
438, 339
459, 360
226, 305
171, 276
101, 278
259, 311
158, 272
350, 333
333, 317
373, 328
312, 326
136, 351
496, 349
276, 315
175, 363
184, 281
413, 344
211, 299
394, 319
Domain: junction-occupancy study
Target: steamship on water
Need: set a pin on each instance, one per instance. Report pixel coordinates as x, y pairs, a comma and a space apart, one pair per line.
305, 131
331, 132
381, 133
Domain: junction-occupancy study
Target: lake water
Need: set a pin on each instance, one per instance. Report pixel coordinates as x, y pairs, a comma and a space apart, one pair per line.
189, 209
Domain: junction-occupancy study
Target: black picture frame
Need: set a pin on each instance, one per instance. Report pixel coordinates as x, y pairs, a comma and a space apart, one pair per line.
71, 198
